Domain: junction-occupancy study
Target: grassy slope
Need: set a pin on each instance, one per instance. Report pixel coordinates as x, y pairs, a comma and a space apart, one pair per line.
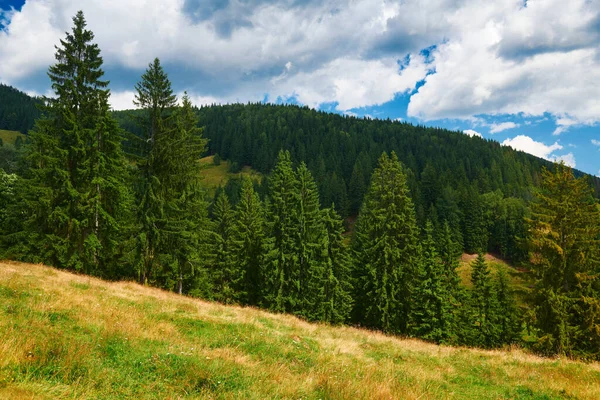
9, 137
521, 280
214, 176
70, 336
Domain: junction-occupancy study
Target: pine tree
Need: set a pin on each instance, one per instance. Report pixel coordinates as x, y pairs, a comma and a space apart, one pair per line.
248, 242
449, 252
386, 250
564, 248
337, 296
282, 260
77, 196
431, 315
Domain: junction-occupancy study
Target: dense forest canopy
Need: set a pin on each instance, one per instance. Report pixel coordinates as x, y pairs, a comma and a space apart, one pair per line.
120, 196
18, 111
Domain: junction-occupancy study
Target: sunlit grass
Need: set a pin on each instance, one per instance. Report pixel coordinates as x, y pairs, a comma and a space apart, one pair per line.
214, 176
71, 336
10, 137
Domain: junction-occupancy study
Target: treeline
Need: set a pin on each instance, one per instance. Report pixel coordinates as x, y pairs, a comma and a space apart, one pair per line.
18, 111
480, 188
83, 203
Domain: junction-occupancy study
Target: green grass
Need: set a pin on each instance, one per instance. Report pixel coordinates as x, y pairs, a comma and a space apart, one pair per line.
71, 336
521, 280
9, 137
214, 176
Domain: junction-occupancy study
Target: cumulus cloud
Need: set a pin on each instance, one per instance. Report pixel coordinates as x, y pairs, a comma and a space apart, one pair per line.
596, 142
528, 145
539, 149
568, 159
471, 132
503, 57
495, 128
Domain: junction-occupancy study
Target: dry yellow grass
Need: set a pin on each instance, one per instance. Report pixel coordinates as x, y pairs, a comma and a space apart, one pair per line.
66, 336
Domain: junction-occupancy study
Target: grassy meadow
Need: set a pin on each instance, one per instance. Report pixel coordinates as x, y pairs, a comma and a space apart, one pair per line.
214, 176
9, 137
72, 336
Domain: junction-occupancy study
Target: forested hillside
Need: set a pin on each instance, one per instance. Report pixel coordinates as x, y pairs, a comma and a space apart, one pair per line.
18, 110
88, 196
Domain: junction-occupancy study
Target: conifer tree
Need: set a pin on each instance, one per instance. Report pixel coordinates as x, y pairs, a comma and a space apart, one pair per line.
311, 246
483, 305
507, 314
77, 196
337, 296
155, 96
386, 250
431, 315
565, 254
225, 274
248, 242
188, 223
281, 265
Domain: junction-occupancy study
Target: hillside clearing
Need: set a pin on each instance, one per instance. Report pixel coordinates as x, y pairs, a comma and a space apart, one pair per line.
10, 137
67, 335
214, 176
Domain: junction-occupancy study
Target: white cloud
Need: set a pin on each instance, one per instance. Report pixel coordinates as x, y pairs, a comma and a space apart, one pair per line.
471, 132
528, 145
568, 159
122, 100
596, 142
495, 128
351, 83
490, 57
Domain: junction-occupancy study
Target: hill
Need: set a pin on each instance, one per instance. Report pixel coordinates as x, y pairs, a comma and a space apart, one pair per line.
10, 137
67, 335
18, 110
215, 176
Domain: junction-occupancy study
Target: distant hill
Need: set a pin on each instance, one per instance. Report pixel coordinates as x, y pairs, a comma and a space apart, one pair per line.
72, 336
18, 111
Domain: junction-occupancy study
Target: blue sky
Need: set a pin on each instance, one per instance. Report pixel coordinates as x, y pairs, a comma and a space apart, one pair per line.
524, 73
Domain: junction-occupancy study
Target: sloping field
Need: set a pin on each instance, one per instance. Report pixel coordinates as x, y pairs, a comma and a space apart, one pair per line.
70, 336
9, 137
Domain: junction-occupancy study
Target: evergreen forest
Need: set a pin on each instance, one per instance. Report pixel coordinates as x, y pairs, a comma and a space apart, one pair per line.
355, 221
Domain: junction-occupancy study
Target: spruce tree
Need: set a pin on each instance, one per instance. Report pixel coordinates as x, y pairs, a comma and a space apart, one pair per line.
565, 254
155, 97
337, 296
386, 250
226, 274
281, 265
188, 223
248, 243
507, 313
483, 305
307, 282
76, 192
431, 315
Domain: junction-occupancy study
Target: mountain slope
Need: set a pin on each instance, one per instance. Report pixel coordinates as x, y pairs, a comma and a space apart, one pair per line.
18, 110
66, 335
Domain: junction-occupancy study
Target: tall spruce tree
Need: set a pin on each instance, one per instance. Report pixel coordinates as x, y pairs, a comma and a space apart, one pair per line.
308, 281
483, 305
386, 250
337, 296
225, 273
508, 321
565, 257
155, 97
431, 315
248, 242
281, 265
188, 223
76, 192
